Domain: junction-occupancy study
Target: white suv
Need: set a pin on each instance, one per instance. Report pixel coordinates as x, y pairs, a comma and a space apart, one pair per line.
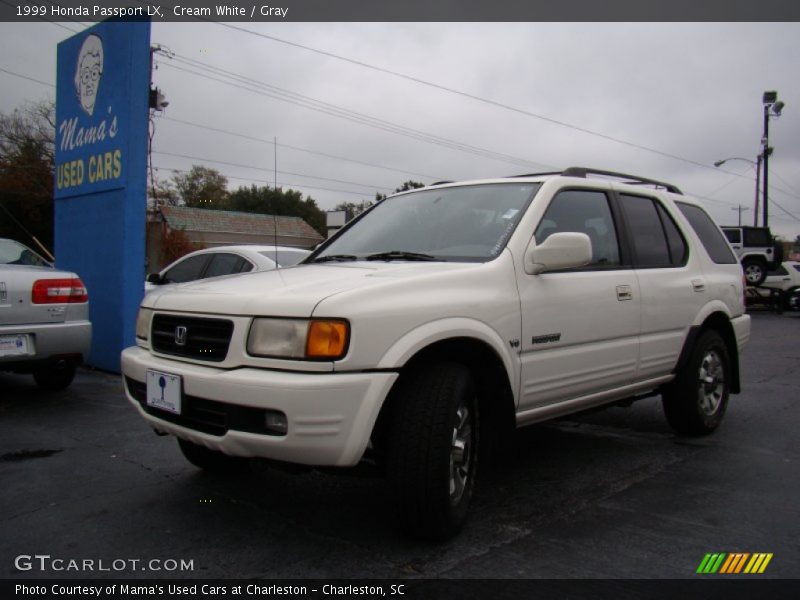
440, 319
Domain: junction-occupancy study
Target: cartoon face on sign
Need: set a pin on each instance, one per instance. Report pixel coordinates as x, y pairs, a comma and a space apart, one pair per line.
88, 72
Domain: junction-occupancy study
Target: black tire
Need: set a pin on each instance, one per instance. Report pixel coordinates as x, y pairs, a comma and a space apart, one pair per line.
55, 376
791, 300
695, 401
755, 271
211, 460
433, 450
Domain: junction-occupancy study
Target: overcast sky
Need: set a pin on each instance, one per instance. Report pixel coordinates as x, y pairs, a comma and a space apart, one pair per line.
688, 90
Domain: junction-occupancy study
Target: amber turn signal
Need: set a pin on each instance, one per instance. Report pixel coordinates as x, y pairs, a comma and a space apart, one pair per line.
327, 339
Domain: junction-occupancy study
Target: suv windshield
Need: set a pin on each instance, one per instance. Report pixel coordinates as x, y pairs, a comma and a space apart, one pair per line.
464, 223
14, 253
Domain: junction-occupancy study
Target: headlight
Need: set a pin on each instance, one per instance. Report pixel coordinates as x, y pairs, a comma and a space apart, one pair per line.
314, 339
143, 320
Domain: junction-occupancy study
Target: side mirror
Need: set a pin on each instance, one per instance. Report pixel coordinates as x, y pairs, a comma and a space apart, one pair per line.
567, 250
154, 278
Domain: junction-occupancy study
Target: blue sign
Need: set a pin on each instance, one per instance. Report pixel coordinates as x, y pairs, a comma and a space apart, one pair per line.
102, 91
92, 110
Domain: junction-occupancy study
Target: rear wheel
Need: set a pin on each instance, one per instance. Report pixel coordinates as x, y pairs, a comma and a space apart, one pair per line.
211, 460
55, 376
755, 271
434, 449
696, 401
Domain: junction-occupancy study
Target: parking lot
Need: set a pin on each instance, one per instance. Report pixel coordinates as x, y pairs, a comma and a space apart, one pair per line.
611, 494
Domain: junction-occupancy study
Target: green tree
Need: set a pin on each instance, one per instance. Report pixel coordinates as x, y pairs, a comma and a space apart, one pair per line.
27, 146
202, 187
409, 185
271, 201
353, 209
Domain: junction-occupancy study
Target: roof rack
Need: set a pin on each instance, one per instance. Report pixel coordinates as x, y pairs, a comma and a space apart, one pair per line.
537, 174
582, 172
438, 183
628, 179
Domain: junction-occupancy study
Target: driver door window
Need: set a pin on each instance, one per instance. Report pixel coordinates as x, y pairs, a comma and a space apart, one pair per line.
583, 211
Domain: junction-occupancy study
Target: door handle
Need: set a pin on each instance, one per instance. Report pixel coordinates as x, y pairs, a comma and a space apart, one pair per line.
624, 293
698, 285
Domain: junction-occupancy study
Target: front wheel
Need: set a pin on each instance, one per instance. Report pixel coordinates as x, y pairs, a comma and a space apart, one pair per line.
433, 450
695, 401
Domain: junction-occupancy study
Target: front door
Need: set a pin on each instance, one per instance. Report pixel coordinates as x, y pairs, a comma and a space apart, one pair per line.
580, 326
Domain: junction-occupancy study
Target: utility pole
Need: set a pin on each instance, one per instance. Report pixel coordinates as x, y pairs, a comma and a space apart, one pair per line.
772, 108
740, 209
758, 184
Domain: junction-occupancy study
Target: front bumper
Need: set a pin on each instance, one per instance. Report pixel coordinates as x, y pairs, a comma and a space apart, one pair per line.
47, 341
330, 415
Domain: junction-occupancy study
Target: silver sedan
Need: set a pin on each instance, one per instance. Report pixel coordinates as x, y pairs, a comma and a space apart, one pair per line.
44, 317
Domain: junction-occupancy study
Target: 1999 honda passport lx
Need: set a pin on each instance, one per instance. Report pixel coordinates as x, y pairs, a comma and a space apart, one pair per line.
441, 316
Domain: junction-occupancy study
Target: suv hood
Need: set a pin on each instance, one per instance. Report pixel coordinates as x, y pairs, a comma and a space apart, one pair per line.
291, 292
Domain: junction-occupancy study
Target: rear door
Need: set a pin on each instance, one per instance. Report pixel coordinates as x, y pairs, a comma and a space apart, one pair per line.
672, 283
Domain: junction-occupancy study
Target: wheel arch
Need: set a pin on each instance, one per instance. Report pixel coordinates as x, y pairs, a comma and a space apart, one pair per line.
718, 321
492, 378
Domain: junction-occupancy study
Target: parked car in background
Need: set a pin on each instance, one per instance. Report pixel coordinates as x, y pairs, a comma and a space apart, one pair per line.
786, 279
757, 250
44, 317
224, 260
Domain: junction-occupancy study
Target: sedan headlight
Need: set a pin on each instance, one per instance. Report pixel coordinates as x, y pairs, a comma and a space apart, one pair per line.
299, 339
143, 320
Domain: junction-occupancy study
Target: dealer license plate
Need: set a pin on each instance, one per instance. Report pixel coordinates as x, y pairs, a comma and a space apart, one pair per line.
164, 391
14, 345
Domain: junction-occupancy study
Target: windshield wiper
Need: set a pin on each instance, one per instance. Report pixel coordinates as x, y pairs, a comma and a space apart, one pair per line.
336, 258
401, 255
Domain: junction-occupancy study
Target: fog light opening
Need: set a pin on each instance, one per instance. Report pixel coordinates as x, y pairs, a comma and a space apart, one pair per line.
275, 422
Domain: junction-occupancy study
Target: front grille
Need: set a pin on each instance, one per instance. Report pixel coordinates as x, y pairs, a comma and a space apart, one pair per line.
206, 416
206, 339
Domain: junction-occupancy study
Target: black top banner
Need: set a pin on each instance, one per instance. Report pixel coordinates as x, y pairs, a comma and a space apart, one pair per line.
401, 10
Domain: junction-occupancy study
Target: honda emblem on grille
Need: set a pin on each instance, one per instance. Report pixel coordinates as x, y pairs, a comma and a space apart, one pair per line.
180, 335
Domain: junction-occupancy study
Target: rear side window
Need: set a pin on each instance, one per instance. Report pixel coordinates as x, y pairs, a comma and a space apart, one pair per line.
656, 240
712, 239
224, 263
757, 238
734, 235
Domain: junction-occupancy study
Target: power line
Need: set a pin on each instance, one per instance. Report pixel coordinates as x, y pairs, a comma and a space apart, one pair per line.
26, 77
280, 183
786, 183
299, 149
258, 87
464, 94
232, 164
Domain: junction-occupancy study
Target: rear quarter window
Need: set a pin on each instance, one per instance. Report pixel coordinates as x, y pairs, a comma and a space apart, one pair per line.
711, 237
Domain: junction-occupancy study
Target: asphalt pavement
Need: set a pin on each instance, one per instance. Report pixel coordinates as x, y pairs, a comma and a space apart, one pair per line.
611, 494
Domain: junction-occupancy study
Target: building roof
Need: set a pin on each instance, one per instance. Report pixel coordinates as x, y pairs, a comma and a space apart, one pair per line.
227, 221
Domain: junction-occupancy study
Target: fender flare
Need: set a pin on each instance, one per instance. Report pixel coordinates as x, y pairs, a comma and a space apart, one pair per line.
429, 333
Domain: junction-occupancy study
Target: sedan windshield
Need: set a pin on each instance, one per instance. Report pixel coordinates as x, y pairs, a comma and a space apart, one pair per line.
14, 253
465, 223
